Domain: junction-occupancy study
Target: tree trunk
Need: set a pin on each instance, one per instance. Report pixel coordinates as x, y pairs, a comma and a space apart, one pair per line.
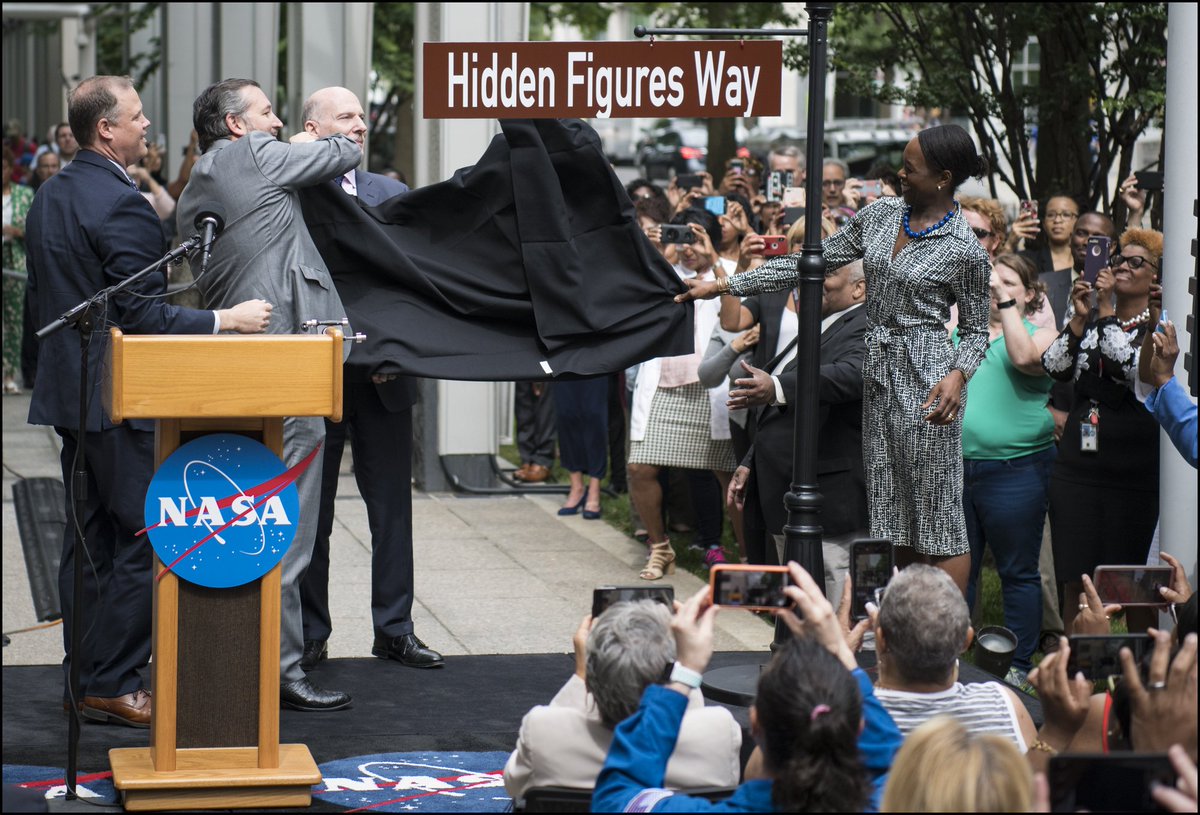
722, 144
1064, 133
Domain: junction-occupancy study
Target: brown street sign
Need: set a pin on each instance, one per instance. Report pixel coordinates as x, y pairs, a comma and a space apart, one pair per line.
558, 80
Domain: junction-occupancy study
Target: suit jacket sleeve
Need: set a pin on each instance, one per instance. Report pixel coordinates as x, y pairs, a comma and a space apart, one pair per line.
293, 166
129, 239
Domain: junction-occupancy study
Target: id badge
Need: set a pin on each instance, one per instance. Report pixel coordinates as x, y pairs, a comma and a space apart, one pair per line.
1089, 437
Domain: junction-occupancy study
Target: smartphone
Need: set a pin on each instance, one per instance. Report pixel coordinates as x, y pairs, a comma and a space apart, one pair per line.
1115, 782
757, 588
777, 182
715, 204
774, 245
1030, 207
1098, 655
872, 188
1095, 257
605, 596
870, 569
678, 233
736, 165
1132, 585
689, 181
792, 214
793, 197
1149, 180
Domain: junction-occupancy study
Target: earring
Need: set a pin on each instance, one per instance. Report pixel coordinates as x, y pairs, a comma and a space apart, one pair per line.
939, 186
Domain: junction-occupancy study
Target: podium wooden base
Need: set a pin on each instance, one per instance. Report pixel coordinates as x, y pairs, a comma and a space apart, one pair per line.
215, 778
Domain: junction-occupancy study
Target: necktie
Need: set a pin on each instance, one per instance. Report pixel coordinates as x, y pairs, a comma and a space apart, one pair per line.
132, 183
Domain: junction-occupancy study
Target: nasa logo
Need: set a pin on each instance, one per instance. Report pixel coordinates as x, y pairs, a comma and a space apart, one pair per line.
416, 782
222, 510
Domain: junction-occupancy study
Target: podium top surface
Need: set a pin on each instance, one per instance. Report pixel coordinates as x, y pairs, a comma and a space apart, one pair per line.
181, 376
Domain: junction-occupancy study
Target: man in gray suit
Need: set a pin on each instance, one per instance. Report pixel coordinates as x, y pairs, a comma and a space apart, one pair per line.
266, 249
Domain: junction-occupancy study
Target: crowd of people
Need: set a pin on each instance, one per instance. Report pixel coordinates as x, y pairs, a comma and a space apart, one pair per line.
929, 298
950, 293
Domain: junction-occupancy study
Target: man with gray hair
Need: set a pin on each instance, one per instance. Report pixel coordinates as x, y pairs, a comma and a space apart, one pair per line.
787, 158
253, 180
628, 648
841, 199
921, 627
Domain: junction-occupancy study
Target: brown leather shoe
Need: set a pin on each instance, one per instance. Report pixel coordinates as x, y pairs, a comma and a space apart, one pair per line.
132, 709
533, 473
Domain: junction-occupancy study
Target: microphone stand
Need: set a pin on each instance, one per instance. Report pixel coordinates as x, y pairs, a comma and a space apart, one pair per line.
83, 318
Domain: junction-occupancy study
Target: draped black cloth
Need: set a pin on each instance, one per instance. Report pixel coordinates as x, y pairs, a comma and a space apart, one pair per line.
529, 265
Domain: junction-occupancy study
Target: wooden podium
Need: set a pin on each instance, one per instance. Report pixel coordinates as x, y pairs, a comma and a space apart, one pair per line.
214, 732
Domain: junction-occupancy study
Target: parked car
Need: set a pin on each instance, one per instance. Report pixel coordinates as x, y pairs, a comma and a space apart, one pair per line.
679, 148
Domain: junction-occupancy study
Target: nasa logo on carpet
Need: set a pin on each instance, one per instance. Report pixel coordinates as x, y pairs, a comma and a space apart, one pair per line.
222, 510
416, 782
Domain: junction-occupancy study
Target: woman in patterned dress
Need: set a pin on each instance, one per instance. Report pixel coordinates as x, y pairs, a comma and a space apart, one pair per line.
920, 256
1104, 486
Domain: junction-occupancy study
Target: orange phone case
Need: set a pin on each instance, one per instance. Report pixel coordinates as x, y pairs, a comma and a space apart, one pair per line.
732, 568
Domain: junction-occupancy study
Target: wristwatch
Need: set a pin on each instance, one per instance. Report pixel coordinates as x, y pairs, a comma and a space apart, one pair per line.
685, 676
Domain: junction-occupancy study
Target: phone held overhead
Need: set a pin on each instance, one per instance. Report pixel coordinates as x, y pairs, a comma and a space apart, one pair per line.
755, 588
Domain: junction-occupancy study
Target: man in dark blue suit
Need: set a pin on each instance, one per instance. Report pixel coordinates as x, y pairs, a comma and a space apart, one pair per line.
90, 228
377, 415
765, 473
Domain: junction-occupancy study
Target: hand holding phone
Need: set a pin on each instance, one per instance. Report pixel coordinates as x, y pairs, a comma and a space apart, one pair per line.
1098, 657
1030, 207
715, 204
689, 181
1116, 782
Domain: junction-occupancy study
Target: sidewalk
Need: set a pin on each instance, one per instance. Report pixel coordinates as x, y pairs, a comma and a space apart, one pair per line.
494, 575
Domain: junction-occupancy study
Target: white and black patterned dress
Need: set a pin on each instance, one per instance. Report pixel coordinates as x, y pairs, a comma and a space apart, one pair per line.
914, 468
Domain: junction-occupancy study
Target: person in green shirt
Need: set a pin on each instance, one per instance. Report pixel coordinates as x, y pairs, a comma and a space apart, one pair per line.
1009, 451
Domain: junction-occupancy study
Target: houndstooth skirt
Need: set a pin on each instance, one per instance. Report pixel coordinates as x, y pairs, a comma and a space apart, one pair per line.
678, 432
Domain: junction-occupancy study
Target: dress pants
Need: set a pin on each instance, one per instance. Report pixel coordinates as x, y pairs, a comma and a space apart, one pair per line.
535, 418
117, 578
381, 441
300, 435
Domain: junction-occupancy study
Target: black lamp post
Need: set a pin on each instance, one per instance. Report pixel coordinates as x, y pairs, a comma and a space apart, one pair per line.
737, 684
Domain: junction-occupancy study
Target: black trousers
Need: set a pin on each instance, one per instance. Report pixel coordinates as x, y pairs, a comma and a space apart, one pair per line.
535, 422
381, 442
117, 567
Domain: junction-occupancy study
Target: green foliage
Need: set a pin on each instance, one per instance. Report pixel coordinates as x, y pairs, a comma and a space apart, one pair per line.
392, 54
1103, 75
116, 23
590, 18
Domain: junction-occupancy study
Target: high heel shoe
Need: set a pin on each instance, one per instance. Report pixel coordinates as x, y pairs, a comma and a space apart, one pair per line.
574, 509
593, 514
662, 560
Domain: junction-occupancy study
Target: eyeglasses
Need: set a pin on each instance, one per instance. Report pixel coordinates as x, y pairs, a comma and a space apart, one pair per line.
982, 233
1061, 216
1134, 262
834, 183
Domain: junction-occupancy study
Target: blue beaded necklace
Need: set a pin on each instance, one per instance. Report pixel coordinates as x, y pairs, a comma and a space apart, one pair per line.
914, 235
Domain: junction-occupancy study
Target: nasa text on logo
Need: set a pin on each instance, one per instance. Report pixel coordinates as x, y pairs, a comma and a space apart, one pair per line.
222, 510
416, 782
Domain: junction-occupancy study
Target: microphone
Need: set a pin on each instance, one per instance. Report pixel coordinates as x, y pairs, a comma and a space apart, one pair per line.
210, 222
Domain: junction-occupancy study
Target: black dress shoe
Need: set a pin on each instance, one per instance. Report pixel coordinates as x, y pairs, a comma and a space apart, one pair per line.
304, 695
314, 652
407, 649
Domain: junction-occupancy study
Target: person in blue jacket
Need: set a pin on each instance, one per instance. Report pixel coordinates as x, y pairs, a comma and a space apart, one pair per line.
1169, 402
826, 743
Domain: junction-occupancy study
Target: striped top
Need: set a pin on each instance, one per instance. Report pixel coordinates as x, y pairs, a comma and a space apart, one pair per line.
980, 707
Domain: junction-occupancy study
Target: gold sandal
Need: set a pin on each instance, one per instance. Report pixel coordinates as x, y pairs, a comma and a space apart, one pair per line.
662, 559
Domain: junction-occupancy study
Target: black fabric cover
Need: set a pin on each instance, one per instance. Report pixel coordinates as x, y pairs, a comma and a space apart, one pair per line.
533, 255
